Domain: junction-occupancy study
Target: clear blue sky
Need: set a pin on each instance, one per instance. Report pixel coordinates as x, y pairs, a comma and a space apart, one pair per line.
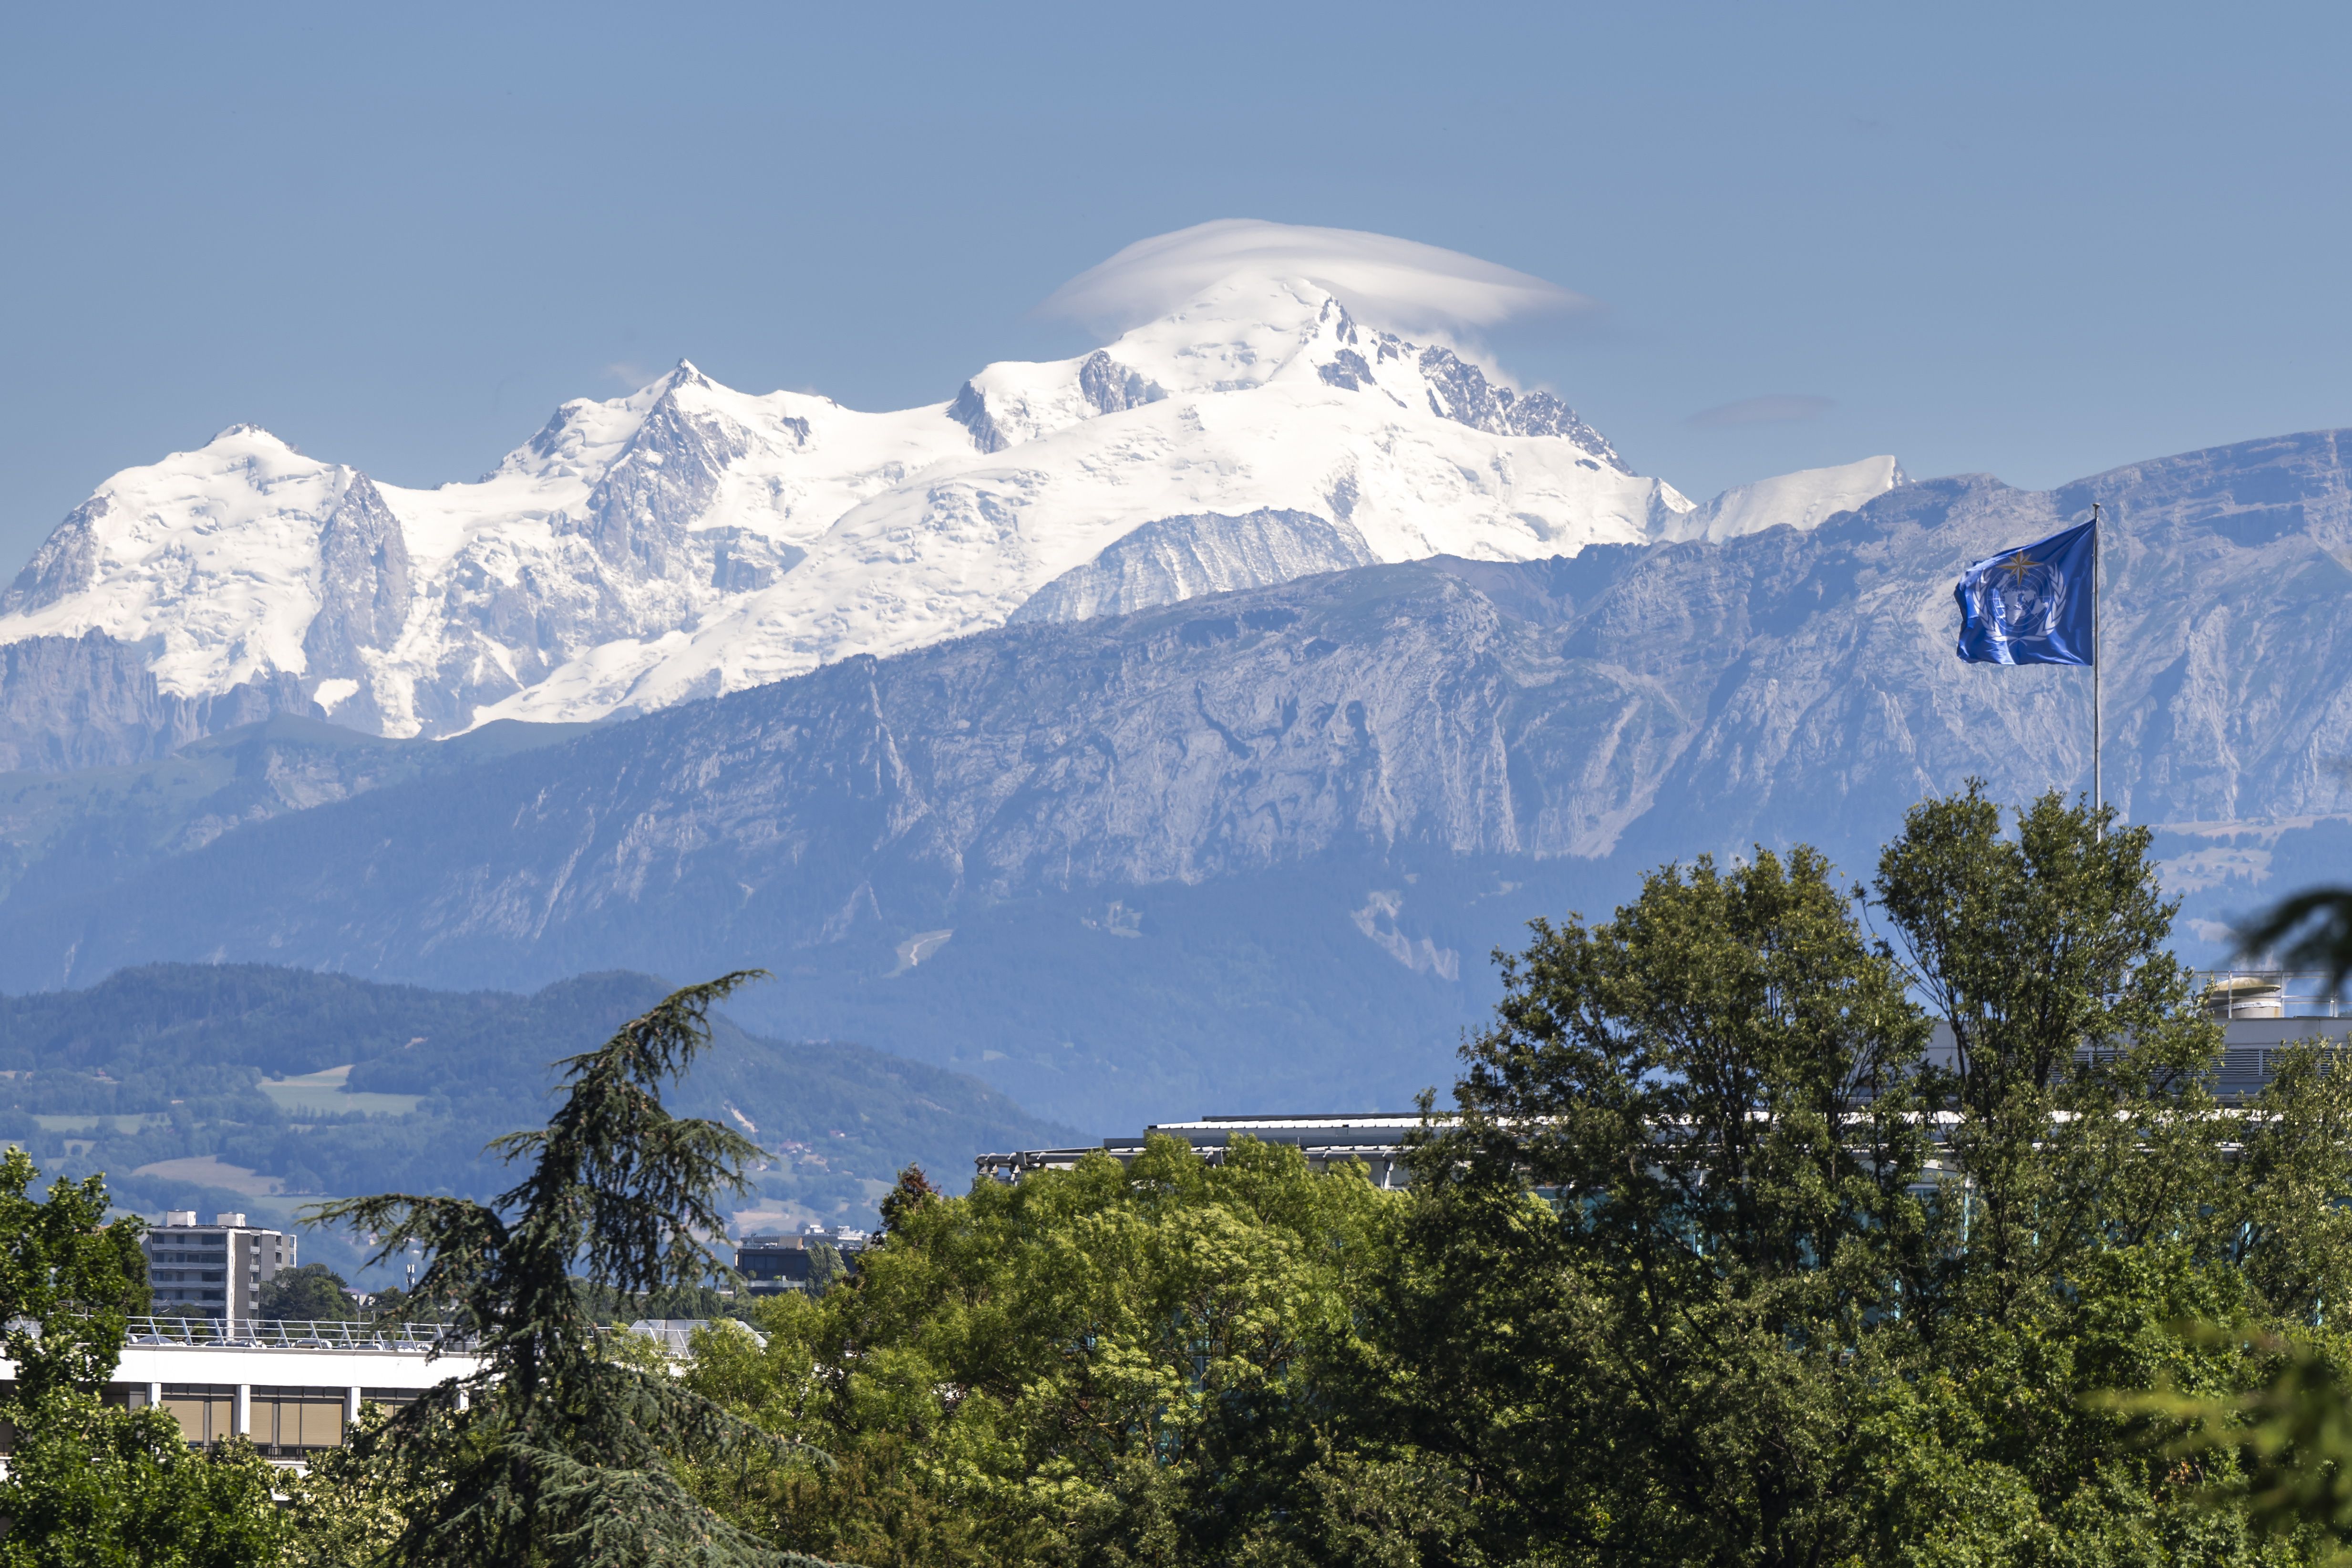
2038, 240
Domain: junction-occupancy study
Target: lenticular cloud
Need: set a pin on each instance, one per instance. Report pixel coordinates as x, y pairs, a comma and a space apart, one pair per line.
1397, 281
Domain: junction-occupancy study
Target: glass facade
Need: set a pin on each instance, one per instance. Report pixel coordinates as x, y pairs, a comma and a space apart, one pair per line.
291, 1422
206, 1412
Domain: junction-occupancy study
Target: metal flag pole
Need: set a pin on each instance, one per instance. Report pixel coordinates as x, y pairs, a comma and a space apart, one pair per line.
2098, 793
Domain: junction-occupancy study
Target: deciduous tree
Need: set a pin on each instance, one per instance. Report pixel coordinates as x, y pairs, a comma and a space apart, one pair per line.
91, 1486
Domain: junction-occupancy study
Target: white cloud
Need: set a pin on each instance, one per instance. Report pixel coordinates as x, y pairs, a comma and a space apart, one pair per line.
1397, 282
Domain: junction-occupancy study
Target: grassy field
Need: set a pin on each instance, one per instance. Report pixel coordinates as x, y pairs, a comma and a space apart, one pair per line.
133, 1122
331, 1090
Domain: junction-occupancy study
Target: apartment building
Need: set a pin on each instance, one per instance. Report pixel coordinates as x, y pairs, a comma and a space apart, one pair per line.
782, 1261
215, 1270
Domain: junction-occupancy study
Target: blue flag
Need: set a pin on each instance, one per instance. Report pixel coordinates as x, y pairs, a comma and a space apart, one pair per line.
2032, 604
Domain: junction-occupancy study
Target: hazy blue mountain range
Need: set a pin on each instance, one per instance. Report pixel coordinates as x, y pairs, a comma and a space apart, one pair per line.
1249, 851
261, 1088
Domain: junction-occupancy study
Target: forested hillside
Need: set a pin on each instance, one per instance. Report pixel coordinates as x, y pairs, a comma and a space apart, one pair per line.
254, 1088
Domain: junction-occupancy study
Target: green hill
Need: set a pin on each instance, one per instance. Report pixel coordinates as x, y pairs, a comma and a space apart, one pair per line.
261, 1088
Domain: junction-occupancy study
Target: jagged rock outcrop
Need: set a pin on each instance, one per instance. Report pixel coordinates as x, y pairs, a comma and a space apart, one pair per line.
91, 702
970, 409
66, 564
1461, 392
663, 482
365, 591
1111, 387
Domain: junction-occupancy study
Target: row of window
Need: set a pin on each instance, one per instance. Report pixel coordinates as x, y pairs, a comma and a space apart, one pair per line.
284, 1423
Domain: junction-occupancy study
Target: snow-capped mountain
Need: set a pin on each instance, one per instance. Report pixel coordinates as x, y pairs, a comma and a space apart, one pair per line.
690, 540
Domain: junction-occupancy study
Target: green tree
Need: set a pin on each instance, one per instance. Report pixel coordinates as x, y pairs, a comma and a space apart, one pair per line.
2088, 1190
2286, 1414
2078, 1046
1108, 1364
68, 1280
556, 1451
348, 1510
90, 1486
2281, 1218
1646, 1255
312, 1293
1738, 1253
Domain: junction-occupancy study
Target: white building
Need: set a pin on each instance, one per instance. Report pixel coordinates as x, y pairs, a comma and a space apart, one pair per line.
291, 1388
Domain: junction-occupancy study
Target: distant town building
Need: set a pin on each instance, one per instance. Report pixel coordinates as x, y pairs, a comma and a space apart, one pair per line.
775, 1261
1376, 1139
215, 1270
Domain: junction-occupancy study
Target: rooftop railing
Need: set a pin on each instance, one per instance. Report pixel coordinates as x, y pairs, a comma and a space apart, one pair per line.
280, 1333
2268, 994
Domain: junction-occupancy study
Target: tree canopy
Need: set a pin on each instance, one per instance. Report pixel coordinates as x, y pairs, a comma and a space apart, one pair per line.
91, 1486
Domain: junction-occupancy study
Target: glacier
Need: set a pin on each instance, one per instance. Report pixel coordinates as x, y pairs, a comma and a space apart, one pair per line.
690, 540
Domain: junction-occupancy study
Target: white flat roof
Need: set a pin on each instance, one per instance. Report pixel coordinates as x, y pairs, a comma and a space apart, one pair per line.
283, 1366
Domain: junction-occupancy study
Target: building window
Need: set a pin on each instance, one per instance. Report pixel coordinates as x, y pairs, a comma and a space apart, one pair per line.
391, 1398
206, 1412
291, 1422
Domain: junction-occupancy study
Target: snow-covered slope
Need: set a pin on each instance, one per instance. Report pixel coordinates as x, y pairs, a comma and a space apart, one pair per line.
690, 540
1805, 499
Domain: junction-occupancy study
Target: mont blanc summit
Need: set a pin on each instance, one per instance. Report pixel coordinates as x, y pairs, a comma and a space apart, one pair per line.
690, 540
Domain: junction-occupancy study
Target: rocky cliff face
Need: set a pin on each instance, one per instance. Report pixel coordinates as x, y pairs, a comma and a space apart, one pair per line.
365, 587
1059, 854
65, 565
91, 702
63, 834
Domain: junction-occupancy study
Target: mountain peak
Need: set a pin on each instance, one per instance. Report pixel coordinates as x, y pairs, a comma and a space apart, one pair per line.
1803, 499
245, 432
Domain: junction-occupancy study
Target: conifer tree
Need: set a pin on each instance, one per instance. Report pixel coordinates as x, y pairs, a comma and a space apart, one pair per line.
554, 1452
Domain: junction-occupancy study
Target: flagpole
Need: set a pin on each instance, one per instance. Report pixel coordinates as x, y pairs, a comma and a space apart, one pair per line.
2099, 793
